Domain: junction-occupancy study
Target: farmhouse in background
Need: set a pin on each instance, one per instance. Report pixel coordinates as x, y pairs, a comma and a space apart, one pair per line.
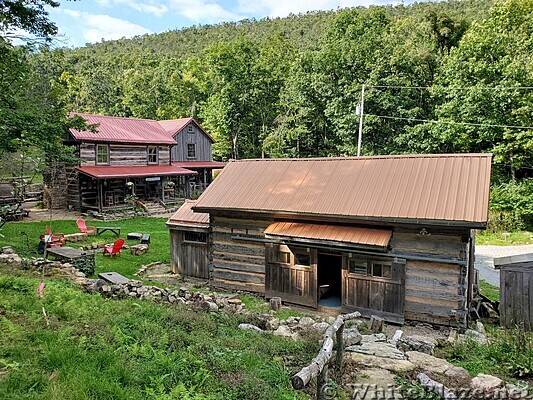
391, 236
155, 160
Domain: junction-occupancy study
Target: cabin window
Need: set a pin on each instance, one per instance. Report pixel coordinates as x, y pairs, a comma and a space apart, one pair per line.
191, 150
152, 155
301, 258
102, 154
358, 267
198, 237
190, 129
381, 270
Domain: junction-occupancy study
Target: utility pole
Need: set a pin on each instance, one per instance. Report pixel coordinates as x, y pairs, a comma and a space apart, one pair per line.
361, 112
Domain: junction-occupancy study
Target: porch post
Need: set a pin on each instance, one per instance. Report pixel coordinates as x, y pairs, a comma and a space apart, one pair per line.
163, 179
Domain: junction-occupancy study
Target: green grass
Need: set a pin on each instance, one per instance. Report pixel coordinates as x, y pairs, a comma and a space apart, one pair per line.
98, 348
497, 239
24, 237
492, 292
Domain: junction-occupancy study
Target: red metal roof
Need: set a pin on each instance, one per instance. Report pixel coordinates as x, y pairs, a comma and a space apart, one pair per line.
330, 233
199, 164
445, 189
185, 216
174, 126
123, 130
119, 171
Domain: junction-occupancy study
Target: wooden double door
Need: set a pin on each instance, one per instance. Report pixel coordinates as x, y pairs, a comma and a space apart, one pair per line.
370, 285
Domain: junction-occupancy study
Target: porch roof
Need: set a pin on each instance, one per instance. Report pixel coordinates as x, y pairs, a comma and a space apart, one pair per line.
130, 171
199, 164
344, 235
185, 216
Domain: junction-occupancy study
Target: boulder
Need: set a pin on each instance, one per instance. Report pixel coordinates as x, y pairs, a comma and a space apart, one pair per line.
138, 249
320, 326
305, 322
417, 343
208, 306
375, 337
283, 331
395, 366
351, 336
272, 324
378, 349
428, 363
473, 335
250, 327
486, 383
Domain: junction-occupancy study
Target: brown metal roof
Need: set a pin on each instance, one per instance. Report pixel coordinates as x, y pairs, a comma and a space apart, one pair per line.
330, 233
120, 171
446, 188
185, 216
123, 130
199, 164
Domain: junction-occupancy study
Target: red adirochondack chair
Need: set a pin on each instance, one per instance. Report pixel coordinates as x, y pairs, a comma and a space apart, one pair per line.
84, 228
114, 248
53, 239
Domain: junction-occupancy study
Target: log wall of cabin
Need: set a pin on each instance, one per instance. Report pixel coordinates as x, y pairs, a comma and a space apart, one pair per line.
122, 154
433, 288
238, 264
203, 145
188, 258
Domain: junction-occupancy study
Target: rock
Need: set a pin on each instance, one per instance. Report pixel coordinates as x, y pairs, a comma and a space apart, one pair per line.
375, 337
283, 331
428, 363
376, 324
378, 349
396, 366
320, 326
397, 336
305, 322
417, 343
480, 328
208, 306
351, 337
486, 383
80, 274
75, 237
452, 337
458, 376
272, 324
139, 249
475, 336
7, 250
373, 383
250, 327
236, 302
330, 320
296, 336
292, 321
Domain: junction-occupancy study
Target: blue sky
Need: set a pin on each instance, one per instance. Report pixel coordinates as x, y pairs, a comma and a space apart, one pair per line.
90, 21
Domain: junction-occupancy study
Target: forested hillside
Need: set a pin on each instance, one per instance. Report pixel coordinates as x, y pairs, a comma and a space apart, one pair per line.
450, 76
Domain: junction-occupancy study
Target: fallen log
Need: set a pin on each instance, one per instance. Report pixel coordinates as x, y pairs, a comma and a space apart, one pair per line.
302, 378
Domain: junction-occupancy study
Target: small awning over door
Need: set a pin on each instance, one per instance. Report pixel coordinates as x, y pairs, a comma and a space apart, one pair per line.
346, 236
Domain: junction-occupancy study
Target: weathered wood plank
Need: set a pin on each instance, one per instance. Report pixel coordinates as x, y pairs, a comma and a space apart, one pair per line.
222, 264
228, 275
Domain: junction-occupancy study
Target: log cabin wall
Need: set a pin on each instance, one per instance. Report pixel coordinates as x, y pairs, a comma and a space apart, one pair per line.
202, 144
123, 154
238, 264
190, 257
433, 288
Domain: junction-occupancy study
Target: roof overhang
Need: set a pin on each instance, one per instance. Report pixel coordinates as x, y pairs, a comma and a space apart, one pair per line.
199, 164
119, 171
336, 235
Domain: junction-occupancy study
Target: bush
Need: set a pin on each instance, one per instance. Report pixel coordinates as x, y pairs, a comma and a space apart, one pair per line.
511, 206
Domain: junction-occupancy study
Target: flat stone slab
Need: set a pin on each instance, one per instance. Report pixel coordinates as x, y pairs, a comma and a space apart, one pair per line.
428, 363
395, 366
374, 383
379, 349
135, 236
113, 277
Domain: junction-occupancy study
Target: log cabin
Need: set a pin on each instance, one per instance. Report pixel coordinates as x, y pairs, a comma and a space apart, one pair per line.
163, 161
391, 236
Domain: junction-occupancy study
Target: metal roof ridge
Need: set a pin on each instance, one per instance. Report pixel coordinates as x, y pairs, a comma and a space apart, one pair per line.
384, 156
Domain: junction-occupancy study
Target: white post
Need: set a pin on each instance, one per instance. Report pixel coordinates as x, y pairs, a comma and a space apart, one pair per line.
360, 137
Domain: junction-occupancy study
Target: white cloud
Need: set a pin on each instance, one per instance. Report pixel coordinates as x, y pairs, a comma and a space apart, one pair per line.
282, 8
95, 27
203, 11
149, 8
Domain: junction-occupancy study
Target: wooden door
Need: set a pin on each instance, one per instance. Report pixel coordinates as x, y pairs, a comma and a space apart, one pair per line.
291, 273
374, 287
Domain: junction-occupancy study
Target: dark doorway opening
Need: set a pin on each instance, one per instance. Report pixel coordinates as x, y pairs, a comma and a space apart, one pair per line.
329, 280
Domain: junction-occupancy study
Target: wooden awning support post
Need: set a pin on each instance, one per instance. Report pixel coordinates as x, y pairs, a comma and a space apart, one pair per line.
317, 365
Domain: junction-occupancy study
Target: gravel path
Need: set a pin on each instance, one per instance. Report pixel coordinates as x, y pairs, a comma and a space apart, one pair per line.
485, 256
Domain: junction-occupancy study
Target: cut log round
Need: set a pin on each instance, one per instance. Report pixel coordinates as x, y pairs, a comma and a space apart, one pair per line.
275, 303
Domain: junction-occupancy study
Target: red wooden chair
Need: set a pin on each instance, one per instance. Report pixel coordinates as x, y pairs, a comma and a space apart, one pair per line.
114, 248
84, 228
53, 239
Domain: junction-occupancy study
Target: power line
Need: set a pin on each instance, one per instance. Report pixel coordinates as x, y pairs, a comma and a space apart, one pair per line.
451, 122
452, 87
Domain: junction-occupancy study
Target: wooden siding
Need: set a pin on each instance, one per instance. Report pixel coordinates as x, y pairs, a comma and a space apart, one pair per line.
123, 154
516, 283
238, 264
188, 258
203, 145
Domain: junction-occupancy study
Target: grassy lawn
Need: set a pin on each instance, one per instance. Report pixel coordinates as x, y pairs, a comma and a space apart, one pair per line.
492, 292
97, 348
497, 238
24, 237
